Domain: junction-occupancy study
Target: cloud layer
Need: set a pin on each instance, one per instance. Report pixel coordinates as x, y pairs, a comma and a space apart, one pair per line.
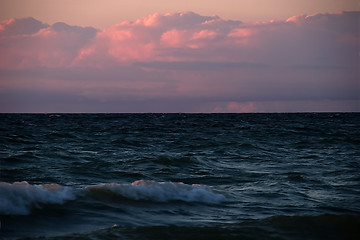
182, 62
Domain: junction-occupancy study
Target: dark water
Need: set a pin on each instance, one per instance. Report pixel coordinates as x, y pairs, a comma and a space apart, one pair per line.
180, 176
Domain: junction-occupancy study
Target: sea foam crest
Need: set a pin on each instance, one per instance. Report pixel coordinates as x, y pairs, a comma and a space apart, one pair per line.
160, 191
20, 197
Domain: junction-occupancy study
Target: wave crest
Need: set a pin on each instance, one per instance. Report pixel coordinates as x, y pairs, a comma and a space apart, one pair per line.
160, 191
20, 197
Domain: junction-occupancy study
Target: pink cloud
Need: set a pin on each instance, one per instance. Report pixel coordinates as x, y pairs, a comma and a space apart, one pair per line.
204, 34
240, 33
230, 65
236, 107
180, 36
28, 43
152, 37
173, 38
12, 27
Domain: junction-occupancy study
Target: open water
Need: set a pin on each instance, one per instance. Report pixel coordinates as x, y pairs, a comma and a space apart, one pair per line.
180, 176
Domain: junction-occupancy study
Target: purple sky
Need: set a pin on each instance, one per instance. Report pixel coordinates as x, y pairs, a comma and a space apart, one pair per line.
182, 62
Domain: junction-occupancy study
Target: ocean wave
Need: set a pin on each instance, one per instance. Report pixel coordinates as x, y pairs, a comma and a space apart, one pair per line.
20, 198
159, 191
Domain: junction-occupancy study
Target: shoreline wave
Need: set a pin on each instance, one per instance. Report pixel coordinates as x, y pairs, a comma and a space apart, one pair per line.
19, 198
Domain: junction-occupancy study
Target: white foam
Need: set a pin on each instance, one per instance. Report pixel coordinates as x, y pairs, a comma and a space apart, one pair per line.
20, 197
160, 191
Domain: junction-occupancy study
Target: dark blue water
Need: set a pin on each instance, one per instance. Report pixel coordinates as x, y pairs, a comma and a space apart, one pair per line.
180, 176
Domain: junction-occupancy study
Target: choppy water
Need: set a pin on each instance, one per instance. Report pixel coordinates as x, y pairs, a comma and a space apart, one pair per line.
180, 176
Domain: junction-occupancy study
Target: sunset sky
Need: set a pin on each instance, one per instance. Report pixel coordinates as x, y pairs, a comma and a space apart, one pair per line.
179, 56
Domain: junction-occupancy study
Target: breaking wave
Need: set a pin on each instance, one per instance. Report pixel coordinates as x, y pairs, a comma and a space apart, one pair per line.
20, 198
159, 191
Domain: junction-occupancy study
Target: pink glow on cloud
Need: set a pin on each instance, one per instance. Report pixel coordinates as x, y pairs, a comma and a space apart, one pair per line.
181, 58
204, 34
237, 107
240, 32
173, 38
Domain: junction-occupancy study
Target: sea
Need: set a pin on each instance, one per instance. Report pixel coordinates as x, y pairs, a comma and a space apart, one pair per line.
180, 176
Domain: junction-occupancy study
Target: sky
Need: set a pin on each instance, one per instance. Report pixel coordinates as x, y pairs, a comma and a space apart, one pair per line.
179, 56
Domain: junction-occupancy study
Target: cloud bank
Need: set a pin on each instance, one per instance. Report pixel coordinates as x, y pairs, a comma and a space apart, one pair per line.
182, 62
